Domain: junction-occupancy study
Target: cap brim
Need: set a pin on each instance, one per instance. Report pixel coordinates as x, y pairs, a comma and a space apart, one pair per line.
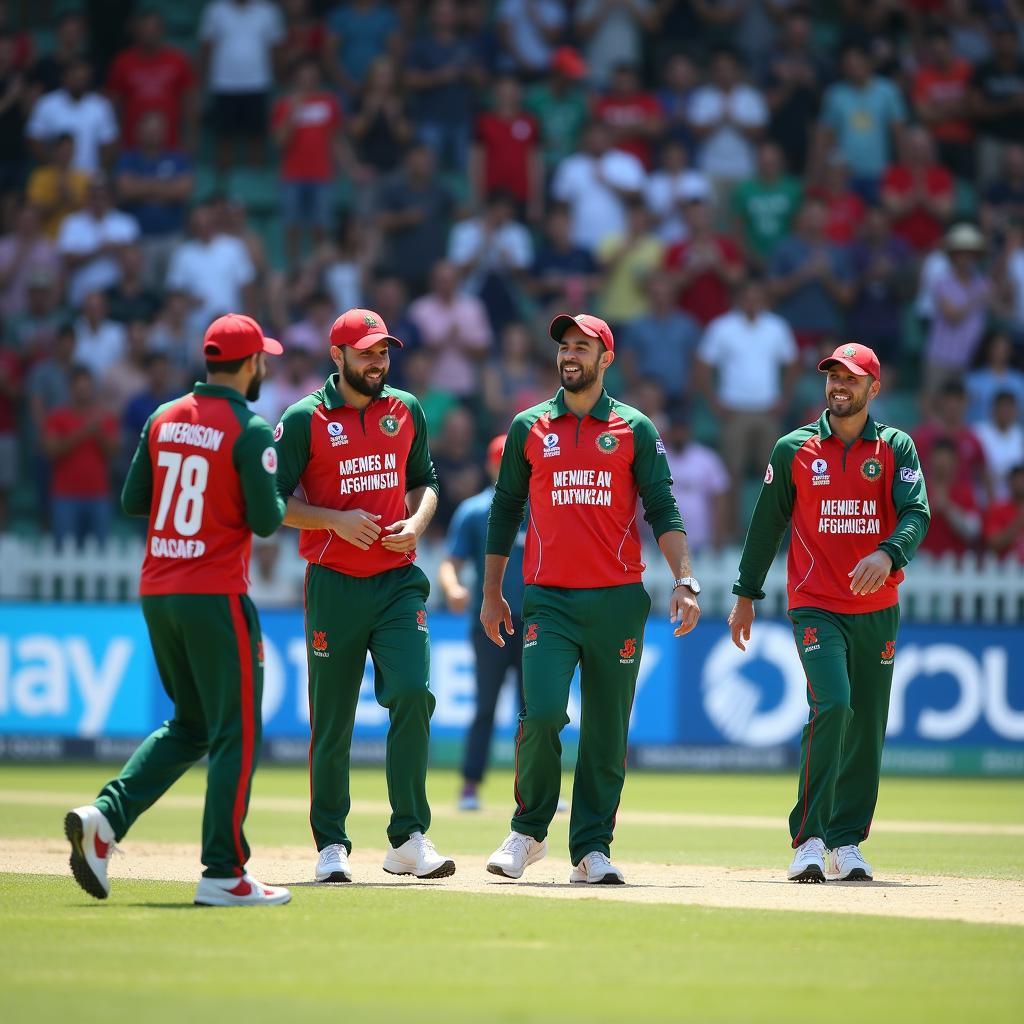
371, 339
272, 346
848, 363
563, 322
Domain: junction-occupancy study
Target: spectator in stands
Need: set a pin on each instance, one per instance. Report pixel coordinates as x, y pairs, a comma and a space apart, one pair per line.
947, 420
25, 254
152, 76
529, 30
311, 332
306, 37
418, 377
811, 281
627, 261
380, 127
700, 483
362, 31
506, 154
214, 269
172, 334
414, 211
78, 111
80, 440
132, 298
1002, 440
455, 326
48, 381
632, 114
728, 115
512, 380
705, 266
560, 105
612, 34
56, 188
941, 96
1003, 526
766, 204
239, 39
33, 332
670, 187
997, 99
388, 296
844, 209
460, 472
960, 297
306, 124
154, 183
955, 527
443, 73
995, 371
746, 368
564, 275
127, 375
295, 376
271, 584
1004, 198
90, 240
493, 253
795, 82
918, 192
596, 183
680, 78
99, 341
15, 102
162, 384
70, 44
661, 343
11, 390
862, 115
1010, 279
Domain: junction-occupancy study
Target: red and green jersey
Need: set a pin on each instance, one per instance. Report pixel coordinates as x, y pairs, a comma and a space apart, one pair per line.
843, 503
582, 477
348, 458
205, 474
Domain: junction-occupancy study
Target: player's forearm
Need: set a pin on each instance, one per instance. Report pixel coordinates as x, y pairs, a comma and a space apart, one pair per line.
422, 504
494, 573
503, 523
303, 516
448, 576
676, 553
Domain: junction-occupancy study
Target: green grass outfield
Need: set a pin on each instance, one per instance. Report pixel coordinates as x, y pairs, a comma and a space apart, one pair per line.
414, 951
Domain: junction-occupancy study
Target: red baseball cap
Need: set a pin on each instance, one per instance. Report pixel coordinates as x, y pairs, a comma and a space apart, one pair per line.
236, 336
496, 449
593, 326
858, 359
567, 61
361, 328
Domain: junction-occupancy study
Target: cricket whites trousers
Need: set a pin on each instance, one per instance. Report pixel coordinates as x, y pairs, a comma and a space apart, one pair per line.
209, 654
346, 617
601, 629
848, 662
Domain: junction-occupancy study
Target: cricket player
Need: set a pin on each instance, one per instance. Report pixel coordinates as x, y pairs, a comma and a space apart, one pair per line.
358, 448
205, 474
853, 491
582, 459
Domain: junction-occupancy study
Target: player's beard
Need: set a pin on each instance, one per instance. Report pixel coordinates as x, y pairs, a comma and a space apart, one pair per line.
851, 408
587, 376
358, 382
252, 392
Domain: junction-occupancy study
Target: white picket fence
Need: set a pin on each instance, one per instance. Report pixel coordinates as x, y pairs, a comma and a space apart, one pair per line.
971, 589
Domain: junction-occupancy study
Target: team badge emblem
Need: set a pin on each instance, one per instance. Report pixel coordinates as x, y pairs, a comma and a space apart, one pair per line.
888, 651
849, 351
421, 620
769, 474
371, 321
279, 432
627, 652
269, 459
319, 643
810, 635
389, 425
871, 469
259, 651
607, 442
530, 636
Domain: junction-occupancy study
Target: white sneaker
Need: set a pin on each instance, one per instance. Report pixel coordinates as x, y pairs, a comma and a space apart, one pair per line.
92, 844
333, 864
596, 869
845, 864
469, 800
417, 856
516, 854
808, 862
239, 892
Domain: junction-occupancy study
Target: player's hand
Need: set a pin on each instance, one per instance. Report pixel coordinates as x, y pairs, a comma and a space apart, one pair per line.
493, 613
457, 597
870, 572
683, 608
357, 527
741, 618
400, 536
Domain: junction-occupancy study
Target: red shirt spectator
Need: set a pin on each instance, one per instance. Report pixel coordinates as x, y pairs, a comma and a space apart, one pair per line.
1004, 529
10, 382
507, 154
632, 115
970, 454
307, 125
82, 470
940, 91
956, 520
914, 201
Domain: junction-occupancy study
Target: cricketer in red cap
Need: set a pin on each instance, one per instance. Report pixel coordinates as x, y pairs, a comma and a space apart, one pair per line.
236, 336
858, 359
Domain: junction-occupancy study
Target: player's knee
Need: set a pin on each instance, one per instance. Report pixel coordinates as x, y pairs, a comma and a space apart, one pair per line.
411, 699
552, 717
834, 707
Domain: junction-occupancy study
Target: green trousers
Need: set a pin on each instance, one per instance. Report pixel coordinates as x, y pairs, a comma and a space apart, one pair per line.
601, 630
848, 661
346, 617
209, 655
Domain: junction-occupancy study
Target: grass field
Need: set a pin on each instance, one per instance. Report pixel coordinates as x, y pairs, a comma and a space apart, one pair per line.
482, 950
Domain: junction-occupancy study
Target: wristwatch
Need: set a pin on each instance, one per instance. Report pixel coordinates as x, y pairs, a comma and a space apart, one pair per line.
687, 581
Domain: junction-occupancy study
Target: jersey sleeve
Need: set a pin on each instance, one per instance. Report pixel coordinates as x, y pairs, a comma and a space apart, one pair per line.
256, 460
768, 523
419, 468
911, 501
291, 439
510, 492
654, 479
137, 492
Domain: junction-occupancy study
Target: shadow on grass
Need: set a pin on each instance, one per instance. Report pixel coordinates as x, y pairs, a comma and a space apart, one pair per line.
833, 883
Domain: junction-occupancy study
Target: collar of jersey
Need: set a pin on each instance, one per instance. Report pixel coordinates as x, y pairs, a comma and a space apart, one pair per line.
332, 396
602, 408
869, 433
218, 391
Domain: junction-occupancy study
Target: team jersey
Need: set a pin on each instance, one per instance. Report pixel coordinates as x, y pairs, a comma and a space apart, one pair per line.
205, 474
582, 477
843, 502
349, 458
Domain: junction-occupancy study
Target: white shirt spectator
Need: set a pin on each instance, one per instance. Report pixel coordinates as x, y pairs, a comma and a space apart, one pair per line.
510, 247
1015, 276
726, 152
749, 356
617, 39
1004, 450
99, 348
698, 477
80, 234
213, 273
242, 38
519, 18
597, 210
666, 192
90, 120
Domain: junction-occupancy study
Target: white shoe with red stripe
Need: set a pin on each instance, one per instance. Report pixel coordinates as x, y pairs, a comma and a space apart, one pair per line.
92, 844
239, 892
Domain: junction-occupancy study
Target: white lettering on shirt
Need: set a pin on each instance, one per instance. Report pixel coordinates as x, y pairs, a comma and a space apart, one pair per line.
194, 434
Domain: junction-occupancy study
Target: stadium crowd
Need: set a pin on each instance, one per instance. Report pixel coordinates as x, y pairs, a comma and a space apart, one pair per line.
735, 185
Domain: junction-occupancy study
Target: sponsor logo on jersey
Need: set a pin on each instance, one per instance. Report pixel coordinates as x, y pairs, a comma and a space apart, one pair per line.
811, 638
910, 476
627, 652
279, 432
871, 469
551, 446
421, 620
269, 459
819, 467
530, 636
337, 432
389, 424
259, 651
769, 474
888, 652
319, 643
607, 442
